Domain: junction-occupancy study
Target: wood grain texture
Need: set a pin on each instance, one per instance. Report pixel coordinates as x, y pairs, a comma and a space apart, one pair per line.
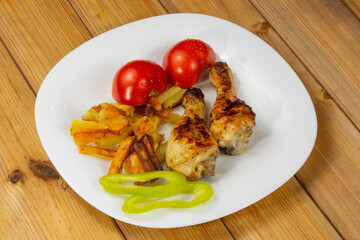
211, 230
331, 51
331, 174
35, 202
101, 16
354, 6
38, 33
278, 217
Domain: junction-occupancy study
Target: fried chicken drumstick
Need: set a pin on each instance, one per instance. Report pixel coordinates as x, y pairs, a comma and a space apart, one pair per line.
191, 149
231, 119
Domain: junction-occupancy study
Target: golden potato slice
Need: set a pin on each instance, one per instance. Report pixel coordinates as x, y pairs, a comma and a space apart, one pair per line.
174, 100
112, 117
144, 158
168, 94
83, 138
161, 151
90, 115
122, 153
149, 145
174, 118
118, 123
84, 126
128, 110
112, 141
106, 111
142, 127
108, 154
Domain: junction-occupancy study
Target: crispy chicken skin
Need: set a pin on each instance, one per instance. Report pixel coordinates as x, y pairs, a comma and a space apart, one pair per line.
191, 149
231, 120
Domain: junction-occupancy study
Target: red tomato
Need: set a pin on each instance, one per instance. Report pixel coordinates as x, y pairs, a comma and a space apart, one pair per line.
133, 82
184, 62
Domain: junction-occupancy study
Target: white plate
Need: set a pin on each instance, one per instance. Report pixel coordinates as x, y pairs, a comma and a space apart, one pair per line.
283, 138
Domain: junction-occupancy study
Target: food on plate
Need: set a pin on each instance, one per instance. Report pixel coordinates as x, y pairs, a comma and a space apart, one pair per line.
231, 119
191, 149
161, 151
171, 92
184, 62
108, 154
144, 199
100, 122
133, 82
137, 152
127, 135
138, 142
172, 97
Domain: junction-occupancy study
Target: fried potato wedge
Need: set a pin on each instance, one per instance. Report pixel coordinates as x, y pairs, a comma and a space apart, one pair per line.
174, 100
140, 149
168, 94
149, 145
136, 165
107, 154
122, 153
112, 117
161, 151
118, 123
84, 126
174, 118
112, 141
83, 138
128, 110
154, 131
90, 115
144, 163
107, 111
142, 127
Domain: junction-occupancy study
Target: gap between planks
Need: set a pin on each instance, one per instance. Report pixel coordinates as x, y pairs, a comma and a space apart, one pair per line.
306, 67
347, 116
354, 9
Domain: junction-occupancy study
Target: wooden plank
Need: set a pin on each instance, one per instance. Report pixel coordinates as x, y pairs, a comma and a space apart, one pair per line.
354, 6
325, 36
101, 16
35, 201
38, 33
211, 230
331, 174
270, 217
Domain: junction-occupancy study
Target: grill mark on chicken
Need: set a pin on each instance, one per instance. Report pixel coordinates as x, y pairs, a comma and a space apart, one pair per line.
231, 119
191, 149
230, 108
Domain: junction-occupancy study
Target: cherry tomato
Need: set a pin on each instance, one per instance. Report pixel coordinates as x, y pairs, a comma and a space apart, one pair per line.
184, 62
133, 82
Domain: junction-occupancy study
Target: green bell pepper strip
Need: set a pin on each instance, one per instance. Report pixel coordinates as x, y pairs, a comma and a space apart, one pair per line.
176, 183
138, 203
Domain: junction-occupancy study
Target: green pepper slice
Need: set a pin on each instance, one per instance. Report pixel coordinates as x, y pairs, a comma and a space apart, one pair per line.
138, 204
142, 199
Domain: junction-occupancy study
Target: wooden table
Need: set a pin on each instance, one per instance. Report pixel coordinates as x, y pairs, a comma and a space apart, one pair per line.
319, 39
